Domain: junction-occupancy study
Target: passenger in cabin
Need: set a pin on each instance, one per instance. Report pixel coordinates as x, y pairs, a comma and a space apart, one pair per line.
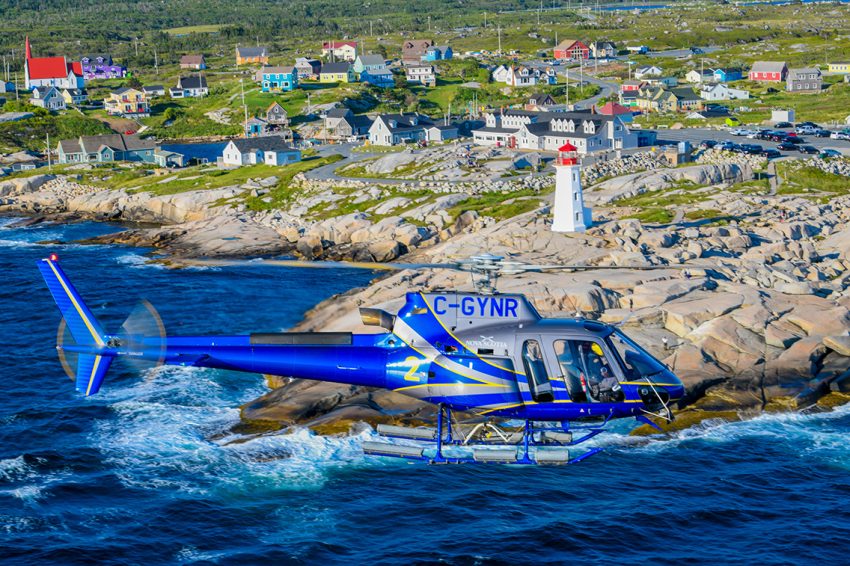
609, 387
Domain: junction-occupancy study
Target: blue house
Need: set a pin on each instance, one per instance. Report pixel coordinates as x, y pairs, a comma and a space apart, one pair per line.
278, 79
437, 53
728, 75
382, 78
368, 63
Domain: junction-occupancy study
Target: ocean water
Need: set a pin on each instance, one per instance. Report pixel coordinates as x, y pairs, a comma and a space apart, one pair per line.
140, 473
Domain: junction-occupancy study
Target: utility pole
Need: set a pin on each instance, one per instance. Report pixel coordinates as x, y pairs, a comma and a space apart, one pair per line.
136, 45
485, 20
500, 38
244, 106
370, 28
538, 13
49, 165
155, 62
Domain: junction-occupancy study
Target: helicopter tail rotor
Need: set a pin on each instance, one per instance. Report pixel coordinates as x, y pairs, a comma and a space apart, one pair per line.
143, 330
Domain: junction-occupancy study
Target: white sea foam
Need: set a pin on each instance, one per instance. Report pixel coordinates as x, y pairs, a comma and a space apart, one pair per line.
14, 469
136, 261
812, 435
159, 438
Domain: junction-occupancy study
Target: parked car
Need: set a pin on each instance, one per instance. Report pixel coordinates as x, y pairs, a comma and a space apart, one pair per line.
739, 131
771, 153
785, 146
805, 130
783, 125
707, 144
821, 133
793, 139
842, 135
809, 149
727, 146
809, 124
752, 148
828, 153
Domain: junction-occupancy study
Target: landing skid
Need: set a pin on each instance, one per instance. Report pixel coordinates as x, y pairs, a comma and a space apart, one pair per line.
484, 443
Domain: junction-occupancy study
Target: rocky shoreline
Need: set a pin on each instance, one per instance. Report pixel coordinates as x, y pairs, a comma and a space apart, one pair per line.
759, 320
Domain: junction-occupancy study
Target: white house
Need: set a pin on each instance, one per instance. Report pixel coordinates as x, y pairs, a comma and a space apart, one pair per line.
500, 74
523, 76
190, 87
271, 150
441, 132
393, 129
49, 98
548, 131
648, 71
421, 74
699, 77
722, 91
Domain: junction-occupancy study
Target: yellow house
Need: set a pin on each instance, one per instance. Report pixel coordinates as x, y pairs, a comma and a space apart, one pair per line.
843, 68
250, 55
127, 102
336, 73
74, 96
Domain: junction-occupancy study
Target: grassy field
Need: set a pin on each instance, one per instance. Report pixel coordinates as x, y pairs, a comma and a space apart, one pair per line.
204, 28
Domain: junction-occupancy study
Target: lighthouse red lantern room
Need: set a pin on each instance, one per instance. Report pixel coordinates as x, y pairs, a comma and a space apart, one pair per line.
570, 214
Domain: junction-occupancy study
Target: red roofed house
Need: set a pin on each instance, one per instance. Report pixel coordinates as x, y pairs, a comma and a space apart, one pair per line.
614, 109
572, 49
52, 71
340, 50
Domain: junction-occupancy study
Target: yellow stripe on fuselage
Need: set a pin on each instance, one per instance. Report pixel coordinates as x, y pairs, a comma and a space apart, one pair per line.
449, 385
94, 334
440, 322
434, 360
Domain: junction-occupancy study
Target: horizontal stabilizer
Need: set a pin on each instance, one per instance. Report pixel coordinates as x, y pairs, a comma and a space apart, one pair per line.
91, 369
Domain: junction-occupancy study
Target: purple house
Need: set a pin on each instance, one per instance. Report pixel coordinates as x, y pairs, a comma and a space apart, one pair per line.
101, 67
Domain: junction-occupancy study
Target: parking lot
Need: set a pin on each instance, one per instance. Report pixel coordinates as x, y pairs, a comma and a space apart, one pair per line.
696, 135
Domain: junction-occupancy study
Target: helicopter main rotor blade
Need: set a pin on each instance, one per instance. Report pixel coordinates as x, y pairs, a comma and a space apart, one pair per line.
370, 265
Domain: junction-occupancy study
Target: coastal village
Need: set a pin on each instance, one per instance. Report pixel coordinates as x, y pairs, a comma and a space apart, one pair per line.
727, 160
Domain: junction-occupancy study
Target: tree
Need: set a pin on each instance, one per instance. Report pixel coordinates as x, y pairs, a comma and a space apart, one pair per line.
134, 82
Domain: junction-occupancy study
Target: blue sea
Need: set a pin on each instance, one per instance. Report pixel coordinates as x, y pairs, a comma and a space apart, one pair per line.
145, 473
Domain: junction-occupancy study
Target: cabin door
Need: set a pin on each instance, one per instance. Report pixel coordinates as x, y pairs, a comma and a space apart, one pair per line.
533, 365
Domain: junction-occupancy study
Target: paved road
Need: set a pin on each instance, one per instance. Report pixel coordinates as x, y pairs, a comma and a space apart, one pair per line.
682, 52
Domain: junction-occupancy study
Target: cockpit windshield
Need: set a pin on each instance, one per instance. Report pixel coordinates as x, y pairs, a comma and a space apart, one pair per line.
637, 363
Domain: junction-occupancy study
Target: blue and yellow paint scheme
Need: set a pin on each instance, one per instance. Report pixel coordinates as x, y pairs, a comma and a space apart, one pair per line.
453, 349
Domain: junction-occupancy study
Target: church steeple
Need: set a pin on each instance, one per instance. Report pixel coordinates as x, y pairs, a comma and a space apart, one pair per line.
27, 48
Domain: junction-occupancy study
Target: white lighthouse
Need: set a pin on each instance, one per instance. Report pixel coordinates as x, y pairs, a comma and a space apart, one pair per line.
570, 212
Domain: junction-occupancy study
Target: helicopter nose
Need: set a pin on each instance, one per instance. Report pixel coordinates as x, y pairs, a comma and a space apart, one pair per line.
673, 386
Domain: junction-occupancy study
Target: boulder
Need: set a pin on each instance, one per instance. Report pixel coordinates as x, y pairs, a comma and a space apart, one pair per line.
800, 360
838, 344
385, 250
682, 317
732, 346
818, 321
655, 293
309, 246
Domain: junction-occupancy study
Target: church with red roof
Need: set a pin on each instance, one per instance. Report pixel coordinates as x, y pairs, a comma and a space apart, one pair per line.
52, 71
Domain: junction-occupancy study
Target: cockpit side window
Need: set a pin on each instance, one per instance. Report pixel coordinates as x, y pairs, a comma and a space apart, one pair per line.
587, 371
535, 371
637, 363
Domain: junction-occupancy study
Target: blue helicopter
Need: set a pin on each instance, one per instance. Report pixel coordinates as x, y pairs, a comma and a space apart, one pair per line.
537, 386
